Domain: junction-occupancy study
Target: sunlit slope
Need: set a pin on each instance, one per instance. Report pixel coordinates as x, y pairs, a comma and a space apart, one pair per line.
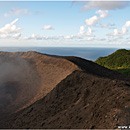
119, 61
25, 77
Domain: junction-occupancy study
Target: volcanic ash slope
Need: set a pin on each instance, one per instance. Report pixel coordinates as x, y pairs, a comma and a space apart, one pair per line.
83, 95
25, 77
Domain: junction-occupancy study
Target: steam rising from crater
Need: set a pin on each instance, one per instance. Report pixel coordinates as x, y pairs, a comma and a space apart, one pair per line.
15, 81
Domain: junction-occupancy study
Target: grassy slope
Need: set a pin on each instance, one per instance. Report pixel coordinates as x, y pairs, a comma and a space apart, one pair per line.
118, 61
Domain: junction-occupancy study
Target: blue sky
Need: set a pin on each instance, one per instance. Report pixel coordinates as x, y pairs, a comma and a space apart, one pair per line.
65, 23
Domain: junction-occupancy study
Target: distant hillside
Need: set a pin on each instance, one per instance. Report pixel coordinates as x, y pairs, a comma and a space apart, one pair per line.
119, 61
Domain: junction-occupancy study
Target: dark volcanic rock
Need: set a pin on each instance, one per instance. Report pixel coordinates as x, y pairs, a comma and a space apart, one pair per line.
91, 97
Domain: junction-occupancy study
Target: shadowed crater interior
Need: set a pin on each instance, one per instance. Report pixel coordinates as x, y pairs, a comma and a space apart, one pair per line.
8, 92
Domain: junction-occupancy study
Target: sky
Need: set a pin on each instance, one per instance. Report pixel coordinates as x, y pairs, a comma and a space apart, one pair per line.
65, 23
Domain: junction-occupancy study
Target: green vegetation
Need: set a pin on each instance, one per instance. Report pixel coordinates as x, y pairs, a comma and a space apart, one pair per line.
118, 61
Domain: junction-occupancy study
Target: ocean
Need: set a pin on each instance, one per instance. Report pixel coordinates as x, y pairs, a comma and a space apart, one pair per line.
89, 53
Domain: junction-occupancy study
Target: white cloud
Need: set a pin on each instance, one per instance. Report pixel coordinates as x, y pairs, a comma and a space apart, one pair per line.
3, 35
127, 24
13, 22
16, 36
10, 28
81, 30
38, 37
86, 33
47, 27
89, 31
121, 32
105, 5
102, 13
115, 32
69, 37
124, 30
16, 12
90, 39
94, 20
33, 36
10, 31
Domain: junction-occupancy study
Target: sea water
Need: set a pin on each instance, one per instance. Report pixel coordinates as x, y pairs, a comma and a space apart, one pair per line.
89, 53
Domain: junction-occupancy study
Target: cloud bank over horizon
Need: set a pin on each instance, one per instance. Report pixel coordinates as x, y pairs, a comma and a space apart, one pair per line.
104, 5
